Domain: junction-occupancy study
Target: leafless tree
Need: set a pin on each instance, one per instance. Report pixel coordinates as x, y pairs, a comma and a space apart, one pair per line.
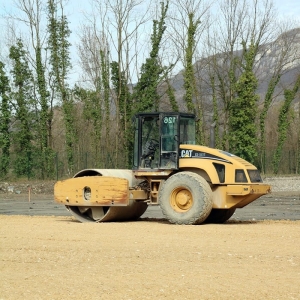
239, 21
186, 24
114, 27
30, 25
274, 60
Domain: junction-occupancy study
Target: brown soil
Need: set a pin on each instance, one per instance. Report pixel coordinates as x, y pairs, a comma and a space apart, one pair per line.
55, 257
59, 258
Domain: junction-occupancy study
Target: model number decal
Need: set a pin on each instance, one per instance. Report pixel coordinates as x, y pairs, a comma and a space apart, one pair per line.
169, 120
186, 153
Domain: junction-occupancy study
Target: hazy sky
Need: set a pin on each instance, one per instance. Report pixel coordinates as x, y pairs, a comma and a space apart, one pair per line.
287, 9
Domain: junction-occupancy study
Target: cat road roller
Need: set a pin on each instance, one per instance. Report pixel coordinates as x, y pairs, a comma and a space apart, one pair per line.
192, 184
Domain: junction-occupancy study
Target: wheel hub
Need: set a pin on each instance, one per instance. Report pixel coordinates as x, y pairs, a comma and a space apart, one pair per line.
181, 200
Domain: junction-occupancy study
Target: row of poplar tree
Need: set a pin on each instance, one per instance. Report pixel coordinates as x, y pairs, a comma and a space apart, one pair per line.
42, 114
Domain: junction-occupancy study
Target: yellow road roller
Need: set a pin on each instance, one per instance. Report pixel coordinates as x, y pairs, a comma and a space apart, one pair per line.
192, 184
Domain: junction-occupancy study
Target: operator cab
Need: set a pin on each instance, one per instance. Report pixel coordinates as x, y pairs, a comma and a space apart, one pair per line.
158, 136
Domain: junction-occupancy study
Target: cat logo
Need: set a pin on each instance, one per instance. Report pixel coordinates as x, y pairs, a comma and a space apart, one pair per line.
186, 153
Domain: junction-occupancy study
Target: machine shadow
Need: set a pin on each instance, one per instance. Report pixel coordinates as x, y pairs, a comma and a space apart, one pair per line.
166, 222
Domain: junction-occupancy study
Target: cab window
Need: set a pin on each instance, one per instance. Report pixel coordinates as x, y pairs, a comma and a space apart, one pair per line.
187, 131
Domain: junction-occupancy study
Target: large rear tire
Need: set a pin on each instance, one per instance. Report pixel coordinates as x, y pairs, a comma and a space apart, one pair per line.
219, 216
185, 198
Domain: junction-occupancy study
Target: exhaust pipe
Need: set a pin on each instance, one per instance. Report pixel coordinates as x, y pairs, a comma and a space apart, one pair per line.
212, 143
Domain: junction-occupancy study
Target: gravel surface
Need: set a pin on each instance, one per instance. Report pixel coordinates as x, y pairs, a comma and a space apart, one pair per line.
279, 184
282, 203
288, 184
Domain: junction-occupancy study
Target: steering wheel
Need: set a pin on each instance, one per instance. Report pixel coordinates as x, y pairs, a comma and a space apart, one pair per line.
152, 144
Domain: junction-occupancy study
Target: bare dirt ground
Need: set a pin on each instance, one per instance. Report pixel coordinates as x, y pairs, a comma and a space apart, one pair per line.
46, 254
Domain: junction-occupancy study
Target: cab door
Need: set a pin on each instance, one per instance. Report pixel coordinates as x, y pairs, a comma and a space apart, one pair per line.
169, 141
